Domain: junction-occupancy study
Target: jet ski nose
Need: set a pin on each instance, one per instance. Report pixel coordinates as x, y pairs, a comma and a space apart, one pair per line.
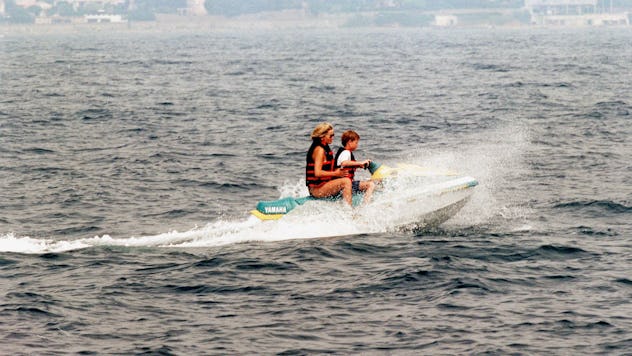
373, 166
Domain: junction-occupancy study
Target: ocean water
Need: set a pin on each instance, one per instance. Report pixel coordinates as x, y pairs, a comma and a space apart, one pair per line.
130, 161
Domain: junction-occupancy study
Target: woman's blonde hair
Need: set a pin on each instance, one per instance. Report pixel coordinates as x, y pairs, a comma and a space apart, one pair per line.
321, 129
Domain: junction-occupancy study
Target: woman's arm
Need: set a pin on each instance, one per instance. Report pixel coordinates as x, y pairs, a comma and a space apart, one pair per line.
319, 157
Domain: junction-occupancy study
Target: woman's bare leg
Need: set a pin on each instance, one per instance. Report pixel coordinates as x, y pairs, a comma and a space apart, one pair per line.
333, 187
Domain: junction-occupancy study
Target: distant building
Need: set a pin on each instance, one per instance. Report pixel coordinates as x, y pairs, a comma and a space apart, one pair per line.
445, 20
81, 3
52, 20
388, 4
28, 3
194, 8
561, 7
104, 18
76, 4
574, 13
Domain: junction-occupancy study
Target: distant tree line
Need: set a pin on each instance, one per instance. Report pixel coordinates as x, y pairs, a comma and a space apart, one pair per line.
141, 9
146, 10
18, 14
239, 7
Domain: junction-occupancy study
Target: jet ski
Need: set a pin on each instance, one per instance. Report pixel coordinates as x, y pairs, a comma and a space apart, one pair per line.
409, 196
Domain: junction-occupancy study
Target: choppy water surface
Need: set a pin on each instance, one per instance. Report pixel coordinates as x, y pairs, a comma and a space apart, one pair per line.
129, 163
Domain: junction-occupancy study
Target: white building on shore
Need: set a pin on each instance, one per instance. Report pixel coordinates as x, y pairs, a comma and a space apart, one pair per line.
48, 4
445, 20
575, 13
104, 18
194, 8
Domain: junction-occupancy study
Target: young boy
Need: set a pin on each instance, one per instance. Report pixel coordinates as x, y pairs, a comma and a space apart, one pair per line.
344, 159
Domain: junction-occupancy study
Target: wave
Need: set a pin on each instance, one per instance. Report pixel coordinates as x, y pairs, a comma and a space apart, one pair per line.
491, 67
94, 114
38, 150
593, 231
607, 206
555, 250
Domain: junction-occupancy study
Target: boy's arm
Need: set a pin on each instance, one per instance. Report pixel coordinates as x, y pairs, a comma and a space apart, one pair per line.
355, 164
344, 161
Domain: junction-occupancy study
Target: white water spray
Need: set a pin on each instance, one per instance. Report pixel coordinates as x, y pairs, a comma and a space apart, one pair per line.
493, 163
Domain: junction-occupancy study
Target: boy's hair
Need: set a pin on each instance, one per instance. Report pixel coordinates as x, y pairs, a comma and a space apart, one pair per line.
349, 136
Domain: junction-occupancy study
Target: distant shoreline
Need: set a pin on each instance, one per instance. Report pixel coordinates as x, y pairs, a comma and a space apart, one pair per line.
166, 22
253, 22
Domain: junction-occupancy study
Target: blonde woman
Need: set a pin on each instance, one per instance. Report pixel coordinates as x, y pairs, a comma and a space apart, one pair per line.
322, 177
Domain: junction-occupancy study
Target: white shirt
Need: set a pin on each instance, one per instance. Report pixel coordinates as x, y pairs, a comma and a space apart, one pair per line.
344, 156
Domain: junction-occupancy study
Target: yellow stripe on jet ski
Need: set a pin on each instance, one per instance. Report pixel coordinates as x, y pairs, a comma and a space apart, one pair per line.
470, 184
263, 216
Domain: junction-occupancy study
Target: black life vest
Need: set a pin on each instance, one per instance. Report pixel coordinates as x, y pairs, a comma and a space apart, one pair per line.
348, 169
328, 165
